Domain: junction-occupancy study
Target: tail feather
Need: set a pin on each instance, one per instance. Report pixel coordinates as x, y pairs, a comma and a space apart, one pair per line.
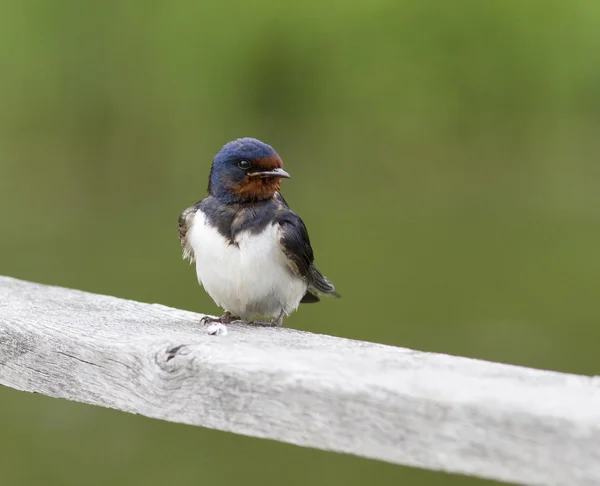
319, 283
310, 298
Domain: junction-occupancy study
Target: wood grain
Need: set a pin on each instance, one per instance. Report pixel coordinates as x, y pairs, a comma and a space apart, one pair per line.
427, 410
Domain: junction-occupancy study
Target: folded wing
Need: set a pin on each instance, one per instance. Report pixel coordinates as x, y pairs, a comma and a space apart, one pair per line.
295, 244
185, 222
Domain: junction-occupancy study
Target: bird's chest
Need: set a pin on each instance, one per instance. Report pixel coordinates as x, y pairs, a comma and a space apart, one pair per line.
249, 270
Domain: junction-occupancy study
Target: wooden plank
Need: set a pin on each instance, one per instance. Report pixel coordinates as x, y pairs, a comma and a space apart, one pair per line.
419, 409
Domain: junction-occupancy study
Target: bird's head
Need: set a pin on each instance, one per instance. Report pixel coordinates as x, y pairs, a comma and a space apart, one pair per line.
246, 170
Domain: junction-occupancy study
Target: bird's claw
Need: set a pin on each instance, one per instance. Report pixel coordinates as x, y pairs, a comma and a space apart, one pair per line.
208, 319
264, 323
226, 318
218, 327
273, 323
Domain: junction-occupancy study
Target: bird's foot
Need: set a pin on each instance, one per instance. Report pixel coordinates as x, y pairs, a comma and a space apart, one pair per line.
226, 318
217, 325
261, 323
274, 323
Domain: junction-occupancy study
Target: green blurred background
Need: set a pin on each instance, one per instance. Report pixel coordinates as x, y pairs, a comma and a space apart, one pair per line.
444, 157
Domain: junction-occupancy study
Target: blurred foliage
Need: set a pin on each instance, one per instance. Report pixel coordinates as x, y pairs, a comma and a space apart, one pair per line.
442, 156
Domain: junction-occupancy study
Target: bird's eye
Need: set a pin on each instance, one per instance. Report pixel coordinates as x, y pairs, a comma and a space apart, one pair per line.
244, 164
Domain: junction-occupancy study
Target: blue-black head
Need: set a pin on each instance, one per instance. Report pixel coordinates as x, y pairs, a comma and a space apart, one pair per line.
246, 170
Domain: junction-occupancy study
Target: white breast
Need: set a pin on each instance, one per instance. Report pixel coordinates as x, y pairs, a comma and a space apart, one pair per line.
249, 278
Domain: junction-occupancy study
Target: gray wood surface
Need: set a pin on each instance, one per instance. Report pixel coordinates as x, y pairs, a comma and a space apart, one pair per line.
426, 410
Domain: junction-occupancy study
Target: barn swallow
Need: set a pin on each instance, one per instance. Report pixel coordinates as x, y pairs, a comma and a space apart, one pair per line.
252, 252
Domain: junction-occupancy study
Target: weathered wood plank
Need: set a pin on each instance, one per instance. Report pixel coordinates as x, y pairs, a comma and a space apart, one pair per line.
426, 410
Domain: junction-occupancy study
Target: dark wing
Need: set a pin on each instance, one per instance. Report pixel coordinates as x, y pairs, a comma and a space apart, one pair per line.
296, 246
185, 222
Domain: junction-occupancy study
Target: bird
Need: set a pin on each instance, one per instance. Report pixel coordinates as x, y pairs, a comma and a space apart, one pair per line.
252, 253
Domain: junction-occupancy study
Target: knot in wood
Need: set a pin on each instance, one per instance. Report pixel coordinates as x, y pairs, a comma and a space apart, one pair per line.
166, 356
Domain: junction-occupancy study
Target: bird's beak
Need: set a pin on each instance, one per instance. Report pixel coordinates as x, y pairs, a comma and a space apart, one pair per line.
271, 173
